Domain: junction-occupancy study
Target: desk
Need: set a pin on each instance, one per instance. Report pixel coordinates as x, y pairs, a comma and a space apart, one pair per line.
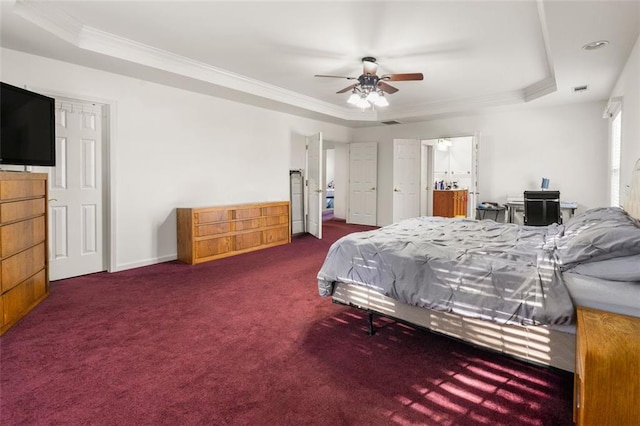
514, 206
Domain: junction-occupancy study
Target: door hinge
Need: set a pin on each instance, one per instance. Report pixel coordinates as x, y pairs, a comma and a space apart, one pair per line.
306, 182
306, 147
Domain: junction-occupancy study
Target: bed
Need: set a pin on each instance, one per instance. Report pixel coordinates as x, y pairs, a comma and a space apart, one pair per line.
502, 286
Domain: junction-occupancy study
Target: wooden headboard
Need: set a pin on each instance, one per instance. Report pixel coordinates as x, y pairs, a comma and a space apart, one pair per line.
632, 204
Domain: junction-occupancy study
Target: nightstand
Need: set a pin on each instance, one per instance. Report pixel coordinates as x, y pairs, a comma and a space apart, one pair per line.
607, 374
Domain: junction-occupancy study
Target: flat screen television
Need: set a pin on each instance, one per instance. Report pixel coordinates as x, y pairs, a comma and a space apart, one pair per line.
27, 127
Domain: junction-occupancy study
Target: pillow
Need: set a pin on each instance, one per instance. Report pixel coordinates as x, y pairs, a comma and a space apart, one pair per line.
593, 215
598, 234
625, 268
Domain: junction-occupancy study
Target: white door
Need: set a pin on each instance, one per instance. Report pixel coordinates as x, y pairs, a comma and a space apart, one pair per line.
406, 179
75, 192
315, 193
426, 179
363, 183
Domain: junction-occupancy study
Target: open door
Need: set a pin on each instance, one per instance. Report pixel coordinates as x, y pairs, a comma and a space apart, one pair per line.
363, 181
76, 192
406, 179
315, 193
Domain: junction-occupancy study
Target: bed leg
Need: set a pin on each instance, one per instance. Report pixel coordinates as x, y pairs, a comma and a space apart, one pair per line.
372, 329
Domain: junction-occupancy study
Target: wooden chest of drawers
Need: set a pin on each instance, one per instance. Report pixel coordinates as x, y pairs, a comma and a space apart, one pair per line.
607, 374
210, 233
23, 244
450, 203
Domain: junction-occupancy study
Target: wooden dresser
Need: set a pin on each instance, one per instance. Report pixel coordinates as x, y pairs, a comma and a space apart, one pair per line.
450, 203
23, 244
210, 233
607, 374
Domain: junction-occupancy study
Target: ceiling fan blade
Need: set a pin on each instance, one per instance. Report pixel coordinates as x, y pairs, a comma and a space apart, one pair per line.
346, 89
336, 76
386, 87
402, 77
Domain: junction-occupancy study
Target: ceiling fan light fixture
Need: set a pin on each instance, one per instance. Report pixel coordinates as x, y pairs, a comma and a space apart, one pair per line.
354, 98
363, 103
373, 96
381, 101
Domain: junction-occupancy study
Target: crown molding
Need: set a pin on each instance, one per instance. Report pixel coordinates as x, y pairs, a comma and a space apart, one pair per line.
46, 16
437, 108
540, 89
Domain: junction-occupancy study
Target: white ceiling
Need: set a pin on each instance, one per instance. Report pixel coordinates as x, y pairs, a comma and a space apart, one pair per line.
473, 54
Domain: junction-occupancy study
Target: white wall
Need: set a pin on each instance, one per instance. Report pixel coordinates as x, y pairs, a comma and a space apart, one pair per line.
567, 144
173, 148
628, 86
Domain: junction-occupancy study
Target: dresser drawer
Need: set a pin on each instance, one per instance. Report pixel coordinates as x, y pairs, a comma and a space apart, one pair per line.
211, 216
214, 246
15, 189
248, 213
17, 268
18, 210
21, 235
212, 229
275, 235
277, 210
22, 297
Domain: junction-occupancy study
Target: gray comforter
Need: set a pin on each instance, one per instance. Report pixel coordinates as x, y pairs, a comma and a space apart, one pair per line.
504, 273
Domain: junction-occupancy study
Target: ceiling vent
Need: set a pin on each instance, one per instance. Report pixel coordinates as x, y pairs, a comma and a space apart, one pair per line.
580, 89
388, 123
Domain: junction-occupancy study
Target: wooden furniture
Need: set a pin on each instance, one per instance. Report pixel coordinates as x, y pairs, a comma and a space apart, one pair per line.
24, 274
607, 375
210, 233
450, 203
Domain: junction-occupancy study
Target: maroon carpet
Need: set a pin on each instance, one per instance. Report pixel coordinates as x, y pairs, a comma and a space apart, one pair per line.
248, 341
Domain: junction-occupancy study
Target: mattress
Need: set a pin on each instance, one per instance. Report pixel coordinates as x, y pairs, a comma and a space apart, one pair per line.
620, 297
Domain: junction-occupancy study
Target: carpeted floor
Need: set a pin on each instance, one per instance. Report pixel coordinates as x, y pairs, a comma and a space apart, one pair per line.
248, 341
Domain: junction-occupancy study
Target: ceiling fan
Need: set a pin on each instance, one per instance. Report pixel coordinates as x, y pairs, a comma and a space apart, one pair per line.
370, 87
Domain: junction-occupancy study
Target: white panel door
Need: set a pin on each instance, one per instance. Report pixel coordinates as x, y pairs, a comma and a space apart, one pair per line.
406, 179
75, 192
363, 183
315, 194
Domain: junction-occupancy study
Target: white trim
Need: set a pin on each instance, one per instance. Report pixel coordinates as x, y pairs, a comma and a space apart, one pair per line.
540, 89
614, 105
147, 262
95, 40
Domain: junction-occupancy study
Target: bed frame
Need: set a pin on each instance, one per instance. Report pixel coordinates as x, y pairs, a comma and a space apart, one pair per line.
537, 344
544, 345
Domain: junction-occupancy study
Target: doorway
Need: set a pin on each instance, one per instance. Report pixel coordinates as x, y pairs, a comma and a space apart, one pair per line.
329, 185
78, 213
419, 164
449, 163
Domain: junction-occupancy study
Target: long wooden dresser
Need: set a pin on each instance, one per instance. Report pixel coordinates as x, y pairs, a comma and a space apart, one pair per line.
210, 233
24, 275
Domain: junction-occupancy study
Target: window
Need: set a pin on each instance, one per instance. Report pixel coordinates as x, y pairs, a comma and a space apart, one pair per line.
614, 113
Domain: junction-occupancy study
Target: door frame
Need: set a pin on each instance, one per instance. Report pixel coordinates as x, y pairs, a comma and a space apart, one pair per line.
475, 154
109, 130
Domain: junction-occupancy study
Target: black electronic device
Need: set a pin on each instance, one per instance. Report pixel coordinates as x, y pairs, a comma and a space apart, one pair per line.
27, 127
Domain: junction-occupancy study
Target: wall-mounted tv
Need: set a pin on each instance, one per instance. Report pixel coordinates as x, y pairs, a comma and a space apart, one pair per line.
27, 127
